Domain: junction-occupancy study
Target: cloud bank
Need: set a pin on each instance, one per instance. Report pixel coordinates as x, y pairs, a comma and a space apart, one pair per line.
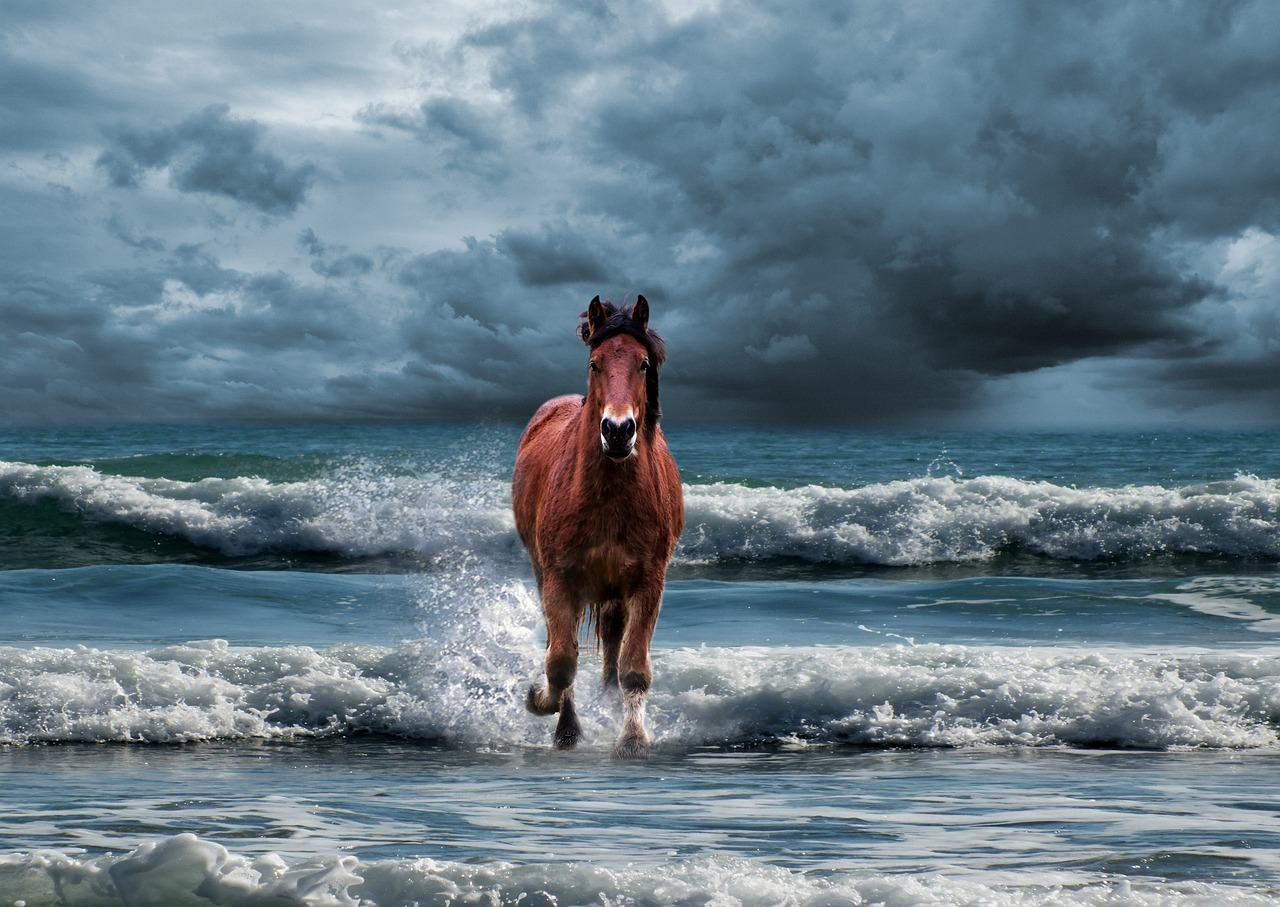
982, 213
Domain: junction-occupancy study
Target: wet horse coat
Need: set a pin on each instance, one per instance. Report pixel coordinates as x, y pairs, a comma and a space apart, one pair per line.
599, 507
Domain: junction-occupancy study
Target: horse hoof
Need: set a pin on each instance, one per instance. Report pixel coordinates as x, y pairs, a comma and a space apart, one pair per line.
568, 731
632, 748
538, 702
567, 738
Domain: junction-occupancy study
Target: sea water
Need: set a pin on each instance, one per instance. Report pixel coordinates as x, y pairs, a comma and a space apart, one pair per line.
287, 665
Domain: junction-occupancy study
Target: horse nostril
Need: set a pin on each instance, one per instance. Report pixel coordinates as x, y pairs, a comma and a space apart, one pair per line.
617, 431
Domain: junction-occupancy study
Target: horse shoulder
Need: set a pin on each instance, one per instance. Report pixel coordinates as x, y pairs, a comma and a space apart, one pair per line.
552, 415
538, 454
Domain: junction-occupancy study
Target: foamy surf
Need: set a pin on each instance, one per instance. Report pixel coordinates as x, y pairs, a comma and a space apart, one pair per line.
353, 511
187, 870
951, 519
364, 511
472, 696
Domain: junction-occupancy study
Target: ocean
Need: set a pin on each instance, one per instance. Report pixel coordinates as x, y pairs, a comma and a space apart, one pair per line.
278, 665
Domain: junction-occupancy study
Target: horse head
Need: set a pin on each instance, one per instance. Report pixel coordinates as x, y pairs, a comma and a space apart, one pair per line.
622, 380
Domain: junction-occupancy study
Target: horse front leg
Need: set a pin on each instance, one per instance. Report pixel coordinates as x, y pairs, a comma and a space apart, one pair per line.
554, 693
634, 672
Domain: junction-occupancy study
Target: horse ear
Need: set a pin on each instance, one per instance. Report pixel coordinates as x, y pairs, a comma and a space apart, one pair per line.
595, 316
640, 312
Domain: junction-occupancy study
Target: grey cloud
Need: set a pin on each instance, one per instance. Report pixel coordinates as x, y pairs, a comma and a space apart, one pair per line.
1026, 297
461, 121
465, 282
185, 336
865, 214
466, 138
439, 120
41, 105
214, 153
554, 256
511, 280
255, 346
1246, 387
64, 357
333, 261
986, 197
121, 232
537, 58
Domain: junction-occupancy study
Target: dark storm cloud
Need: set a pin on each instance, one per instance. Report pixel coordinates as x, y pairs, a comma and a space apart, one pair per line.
63, 359
986, 192
861, 214
211, 152
553, 256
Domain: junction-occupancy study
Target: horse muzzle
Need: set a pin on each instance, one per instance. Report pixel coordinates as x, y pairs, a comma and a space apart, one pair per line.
618, 437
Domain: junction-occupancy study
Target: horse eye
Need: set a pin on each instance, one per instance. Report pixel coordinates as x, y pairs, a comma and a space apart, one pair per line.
594, 367
644, 366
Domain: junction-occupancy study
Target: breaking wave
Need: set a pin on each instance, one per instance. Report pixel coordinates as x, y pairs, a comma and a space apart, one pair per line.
356, 512
185, 869
949, 519
466, 689
367, 513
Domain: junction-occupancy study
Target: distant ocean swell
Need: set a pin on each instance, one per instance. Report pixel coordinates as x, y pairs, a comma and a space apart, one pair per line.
367, 513
185, 869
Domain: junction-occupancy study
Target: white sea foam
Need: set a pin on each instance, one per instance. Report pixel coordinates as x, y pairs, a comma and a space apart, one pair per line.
187, 870
356, 511
363, 511
939, 519
468, 692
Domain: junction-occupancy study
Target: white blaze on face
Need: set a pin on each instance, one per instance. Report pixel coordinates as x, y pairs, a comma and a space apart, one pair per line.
619, 414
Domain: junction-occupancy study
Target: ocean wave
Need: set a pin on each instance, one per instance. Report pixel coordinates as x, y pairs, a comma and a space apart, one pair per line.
185, 869
950, 519
363, 511
357, 511
460, 692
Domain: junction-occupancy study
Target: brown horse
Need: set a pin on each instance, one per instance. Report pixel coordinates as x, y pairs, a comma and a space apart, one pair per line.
599, 508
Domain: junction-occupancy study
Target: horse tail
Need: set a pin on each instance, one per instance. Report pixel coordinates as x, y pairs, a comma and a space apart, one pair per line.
589, 633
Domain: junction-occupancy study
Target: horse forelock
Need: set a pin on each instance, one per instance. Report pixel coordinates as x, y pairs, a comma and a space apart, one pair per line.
619, 320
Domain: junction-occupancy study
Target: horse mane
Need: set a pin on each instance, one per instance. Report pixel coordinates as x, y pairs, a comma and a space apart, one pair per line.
619, 320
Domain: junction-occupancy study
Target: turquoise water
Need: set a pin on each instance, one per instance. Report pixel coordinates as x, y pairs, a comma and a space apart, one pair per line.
250, 665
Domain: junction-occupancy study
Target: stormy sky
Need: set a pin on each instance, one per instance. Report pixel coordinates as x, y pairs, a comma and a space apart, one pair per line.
862, 214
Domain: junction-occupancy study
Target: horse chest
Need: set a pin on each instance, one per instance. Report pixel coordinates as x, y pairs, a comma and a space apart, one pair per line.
601, 558
612, 564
